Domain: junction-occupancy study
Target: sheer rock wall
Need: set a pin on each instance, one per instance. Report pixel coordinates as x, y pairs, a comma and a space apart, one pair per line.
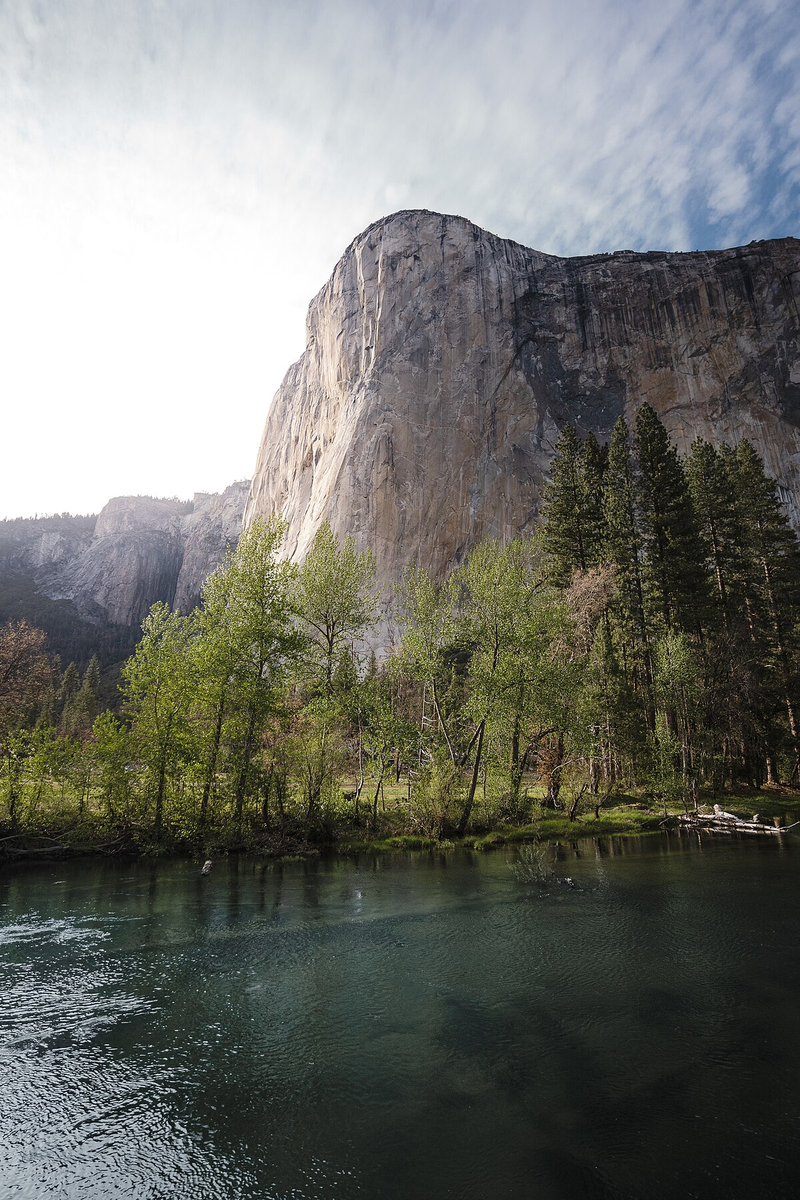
441, 362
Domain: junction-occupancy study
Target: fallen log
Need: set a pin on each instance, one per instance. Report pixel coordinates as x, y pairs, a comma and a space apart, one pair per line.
728, 823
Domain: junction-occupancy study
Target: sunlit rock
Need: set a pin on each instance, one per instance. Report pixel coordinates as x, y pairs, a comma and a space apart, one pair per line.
441, 362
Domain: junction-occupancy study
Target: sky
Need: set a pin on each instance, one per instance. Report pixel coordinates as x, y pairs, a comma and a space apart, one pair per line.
178, 178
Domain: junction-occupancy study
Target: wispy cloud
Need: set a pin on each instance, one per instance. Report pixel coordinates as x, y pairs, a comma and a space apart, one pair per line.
181, 175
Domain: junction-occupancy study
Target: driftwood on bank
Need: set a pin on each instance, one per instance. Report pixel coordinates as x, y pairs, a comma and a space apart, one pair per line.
719, 821
38, 845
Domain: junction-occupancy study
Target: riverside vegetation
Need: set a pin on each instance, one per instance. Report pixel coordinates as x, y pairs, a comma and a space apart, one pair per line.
639, 652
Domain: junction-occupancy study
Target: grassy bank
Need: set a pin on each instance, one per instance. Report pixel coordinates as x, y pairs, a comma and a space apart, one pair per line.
84, 830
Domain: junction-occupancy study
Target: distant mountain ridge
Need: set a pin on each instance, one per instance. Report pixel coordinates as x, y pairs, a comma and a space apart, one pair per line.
90, 581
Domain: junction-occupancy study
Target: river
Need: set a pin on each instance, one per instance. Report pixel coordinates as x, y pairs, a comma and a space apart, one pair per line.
406, 1025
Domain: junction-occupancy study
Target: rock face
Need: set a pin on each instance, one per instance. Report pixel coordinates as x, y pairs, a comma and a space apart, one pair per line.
133, 514
214, 524
113, 567
133, 560
441, 362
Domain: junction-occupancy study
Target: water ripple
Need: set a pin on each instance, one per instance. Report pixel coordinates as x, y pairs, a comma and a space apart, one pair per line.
404, 1028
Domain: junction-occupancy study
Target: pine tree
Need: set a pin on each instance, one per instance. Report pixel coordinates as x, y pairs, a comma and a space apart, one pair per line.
567, 536
733, 731
622, 553
714, 507
770, 580
70, 683
673, 552
86, 700
594, 461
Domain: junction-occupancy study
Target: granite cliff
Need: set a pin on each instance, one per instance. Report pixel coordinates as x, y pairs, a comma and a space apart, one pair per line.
73, 575
441, 362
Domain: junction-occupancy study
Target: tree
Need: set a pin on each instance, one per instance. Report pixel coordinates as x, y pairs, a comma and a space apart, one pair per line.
500, 620
622, 552
24, 673
336, 602
572, 511
430, 632
673, 552
247, 646
713, 501
110, 749
158, 688
70, 683
80, 709
769, 579
496, 622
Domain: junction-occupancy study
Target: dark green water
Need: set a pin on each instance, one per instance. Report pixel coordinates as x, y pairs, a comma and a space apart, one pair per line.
409, 1026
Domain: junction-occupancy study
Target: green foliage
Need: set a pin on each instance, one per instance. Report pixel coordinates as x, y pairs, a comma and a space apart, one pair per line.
673, 551
646, 641
157, 687
336, 602
111, 751
574, 522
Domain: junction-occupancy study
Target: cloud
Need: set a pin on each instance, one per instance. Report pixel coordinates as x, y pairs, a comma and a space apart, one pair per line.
181, 176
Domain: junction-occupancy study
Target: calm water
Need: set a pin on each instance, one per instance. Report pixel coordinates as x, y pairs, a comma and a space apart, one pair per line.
409, 1026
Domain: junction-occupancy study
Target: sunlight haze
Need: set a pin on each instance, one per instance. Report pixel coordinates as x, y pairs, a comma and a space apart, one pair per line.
180, 178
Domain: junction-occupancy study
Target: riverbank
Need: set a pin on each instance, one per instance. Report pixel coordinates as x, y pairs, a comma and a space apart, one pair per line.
91, 834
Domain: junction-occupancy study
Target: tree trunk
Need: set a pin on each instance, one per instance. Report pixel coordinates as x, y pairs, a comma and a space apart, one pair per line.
375, 798
265, 817
516, 773
554, 782
241, 784
462, 824
162, 787
441, 721
783, 658
212, 763
573, 808
360, 785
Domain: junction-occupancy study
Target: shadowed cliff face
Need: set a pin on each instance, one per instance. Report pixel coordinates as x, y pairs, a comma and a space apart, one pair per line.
442, 361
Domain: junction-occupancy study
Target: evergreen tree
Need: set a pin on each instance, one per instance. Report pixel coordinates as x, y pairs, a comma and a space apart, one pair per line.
594, 460
80, 712
68, 691
673, 551
714, 506
572, 512
623, 554
770, 580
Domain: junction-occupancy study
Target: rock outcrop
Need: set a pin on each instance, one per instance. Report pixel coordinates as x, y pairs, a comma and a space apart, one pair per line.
110, 569
132, 560
213, 525
441, 362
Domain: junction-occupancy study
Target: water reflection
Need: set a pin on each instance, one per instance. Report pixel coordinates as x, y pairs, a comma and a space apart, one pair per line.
393, 1027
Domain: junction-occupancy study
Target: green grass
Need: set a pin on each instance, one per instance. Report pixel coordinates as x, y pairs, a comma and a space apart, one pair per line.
86, 829
386, 844
775, 803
